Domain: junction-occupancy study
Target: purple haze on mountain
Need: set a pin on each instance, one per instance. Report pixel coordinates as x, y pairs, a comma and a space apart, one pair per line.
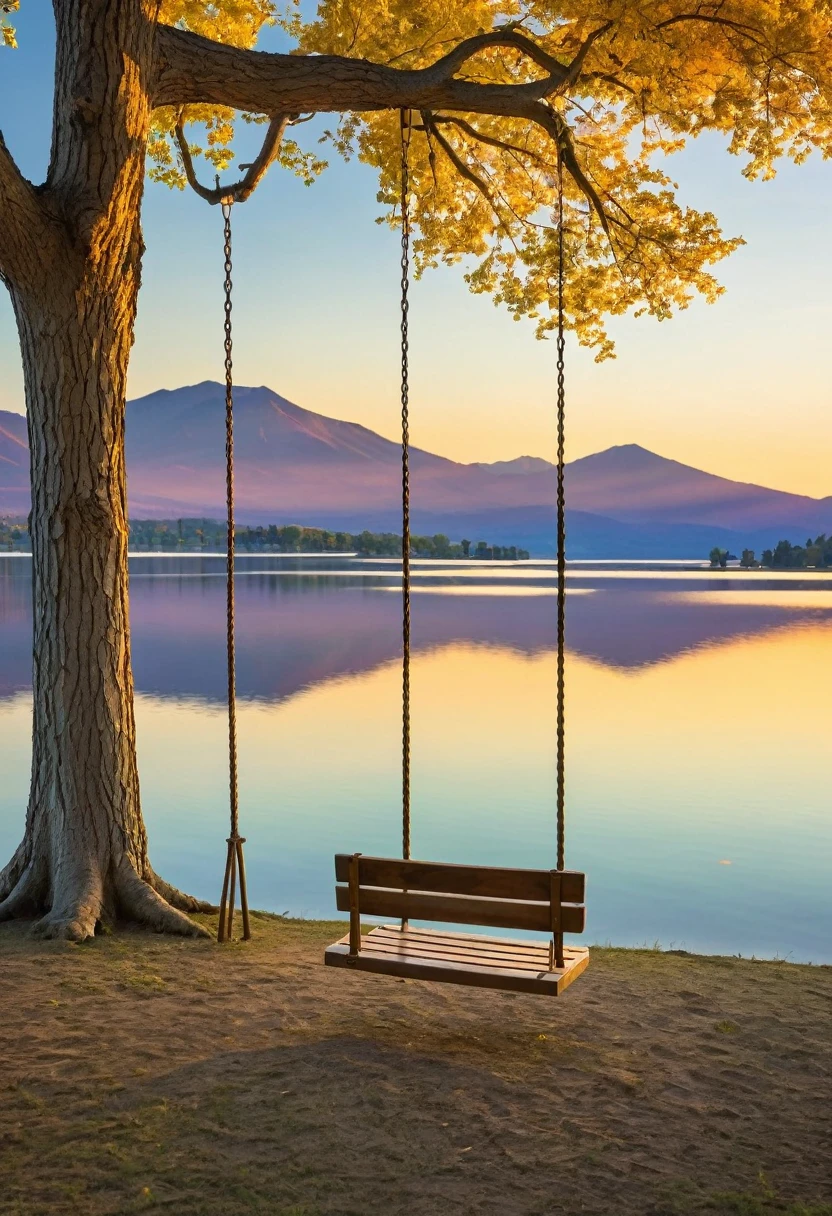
296, 466
14, 464
635, 485
289, 461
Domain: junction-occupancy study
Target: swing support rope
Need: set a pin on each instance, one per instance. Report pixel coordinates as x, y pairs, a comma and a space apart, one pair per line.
235, 865
406, 129
561, 528
226, 196
557, 940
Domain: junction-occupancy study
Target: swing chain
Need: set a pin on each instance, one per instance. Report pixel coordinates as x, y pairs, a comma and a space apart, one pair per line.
230, 534
406, 127
235, 865
561, 540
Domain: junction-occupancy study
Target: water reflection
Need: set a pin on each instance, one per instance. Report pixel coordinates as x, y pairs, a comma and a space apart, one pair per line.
298, 626
698, 731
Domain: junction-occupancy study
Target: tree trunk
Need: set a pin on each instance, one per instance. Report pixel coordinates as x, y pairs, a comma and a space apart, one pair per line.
83, 860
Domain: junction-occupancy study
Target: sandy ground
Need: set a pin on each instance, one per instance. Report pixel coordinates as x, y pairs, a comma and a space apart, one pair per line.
143, 1074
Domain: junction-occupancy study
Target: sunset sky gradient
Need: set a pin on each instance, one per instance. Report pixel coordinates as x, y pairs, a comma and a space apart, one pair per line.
741, 388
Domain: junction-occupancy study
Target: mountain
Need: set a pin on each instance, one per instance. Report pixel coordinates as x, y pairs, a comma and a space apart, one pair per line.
294, 465
14, 464
520, 466
289, 460
633, 484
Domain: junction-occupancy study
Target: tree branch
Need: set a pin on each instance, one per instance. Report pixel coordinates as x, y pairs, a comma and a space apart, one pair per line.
26, 237
609, 78
752, 33
586, 46
553, 124
193, 69
739, 27
239, 191
459, 164
449, 64
491, 140
469, 175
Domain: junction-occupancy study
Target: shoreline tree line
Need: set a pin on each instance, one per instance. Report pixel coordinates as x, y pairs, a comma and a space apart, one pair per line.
187, 535
814, 555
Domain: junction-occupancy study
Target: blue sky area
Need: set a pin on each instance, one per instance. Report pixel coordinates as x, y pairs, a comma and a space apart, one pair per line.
740, 388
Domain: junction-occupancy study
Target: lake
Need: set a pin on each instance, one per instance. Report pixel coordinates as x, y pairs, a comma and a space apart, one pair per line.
698, 736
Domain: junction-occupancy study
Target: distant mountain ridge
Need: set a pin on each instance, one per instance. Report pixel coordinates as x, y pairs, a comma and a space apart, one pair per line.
520, 466
634, 484
297, 466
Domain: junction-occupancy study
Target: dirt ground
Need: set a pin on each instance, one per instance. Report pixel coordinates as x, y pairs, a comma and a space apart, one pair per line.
144, 1074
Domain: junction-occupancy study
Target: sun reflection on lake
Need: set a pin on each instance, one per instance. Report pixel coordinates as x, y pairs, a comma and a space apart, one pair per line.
697, 740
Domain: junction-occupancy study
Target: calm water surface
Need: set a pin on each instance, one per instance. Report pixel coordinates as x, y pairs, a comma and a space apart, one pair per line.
699, 721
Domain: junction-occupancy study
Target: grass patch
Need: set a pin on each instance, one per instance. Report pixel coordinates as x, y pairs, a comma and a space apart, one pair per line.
737, 1204
685, 1198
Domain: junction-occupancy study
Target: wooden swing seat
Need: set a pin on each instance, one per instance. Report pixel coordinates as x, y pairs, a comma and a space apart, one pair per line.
546, 900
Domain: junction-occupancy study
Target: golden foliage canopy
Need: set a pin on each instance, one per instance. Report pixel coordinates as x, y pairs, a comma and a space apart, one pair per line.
631, 82
658, 73
7, 34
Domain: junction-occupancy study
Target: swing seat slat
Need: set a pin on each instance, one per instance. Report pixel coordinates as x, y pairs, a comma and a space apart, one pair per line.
453, 894
493, 882
391, 950
455, 909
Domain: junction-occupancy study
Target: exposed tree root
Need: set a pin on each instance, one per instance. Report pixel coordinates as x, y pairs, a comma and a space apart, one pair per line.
26, 896
79, 901
141, 903
10, 874
73, 924
83, 899
176, 898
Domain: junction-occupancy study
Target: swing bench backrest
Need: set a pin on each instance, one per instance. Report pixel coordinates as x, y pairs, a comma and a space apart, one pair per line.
550, 901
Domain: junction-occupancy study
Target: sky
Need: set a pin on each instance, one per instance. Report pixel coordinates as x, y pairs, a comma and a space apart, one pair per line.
740, 388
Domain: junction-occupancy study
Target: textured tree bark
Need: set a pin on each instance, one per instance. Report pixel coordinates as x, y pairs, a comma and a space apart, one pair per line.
83, 860
84, 855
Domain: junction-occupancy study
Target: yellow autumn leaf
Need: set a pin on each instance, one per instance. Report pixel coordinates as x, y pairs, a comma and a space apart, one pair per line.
653, 75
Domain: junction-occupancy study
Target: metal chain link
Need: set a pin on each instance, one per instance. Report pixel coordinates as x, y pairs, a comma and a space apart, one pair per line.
405, 118
561, 528
230, 538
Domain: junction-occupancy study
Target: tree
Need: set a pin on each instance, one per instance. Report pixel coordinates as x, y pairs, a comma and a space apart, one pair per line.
788, 556
290, 538
718, 557
748, 560
499, 91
